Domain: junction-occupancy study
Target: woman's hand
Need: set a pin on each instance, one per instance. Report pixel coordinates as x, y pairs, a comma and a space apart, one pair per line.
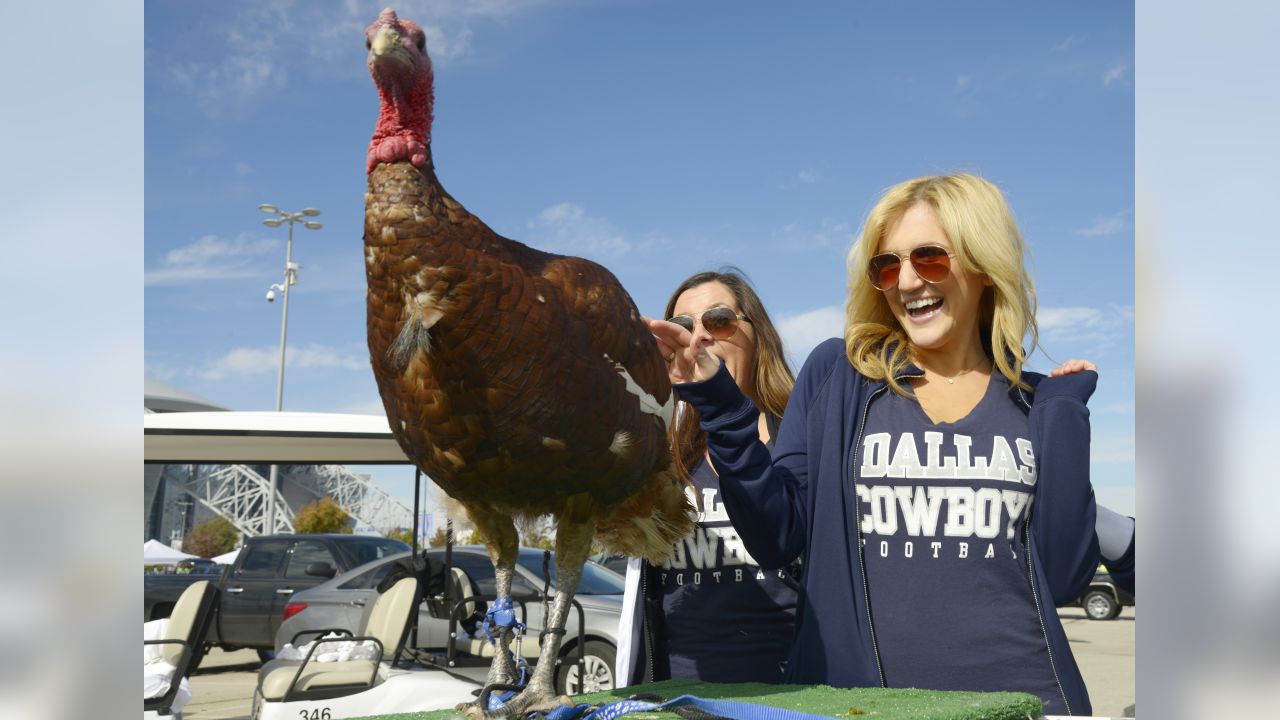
686, 360
1072, 366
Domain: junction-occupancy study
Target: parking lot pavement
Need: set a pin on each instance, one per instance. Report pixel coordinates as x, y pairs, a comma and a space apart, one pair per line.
1104, 652
223, 686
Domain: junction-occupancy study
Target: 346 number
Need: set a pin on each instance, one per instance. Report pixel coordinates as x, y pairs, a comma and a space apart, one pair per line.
317, 714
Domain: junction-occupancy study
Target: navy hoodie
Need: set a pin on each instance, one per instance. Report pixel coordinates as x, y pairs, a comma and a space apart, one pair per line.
801, 500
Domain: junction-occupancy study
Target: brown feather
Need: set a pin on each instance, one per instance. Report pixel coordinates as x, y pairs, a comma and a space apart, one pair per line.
499, 366
523, 383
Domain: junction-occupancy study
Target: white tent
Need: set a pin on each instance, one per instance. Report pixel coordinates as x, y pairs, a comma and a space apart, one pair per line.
226, 558
155, 552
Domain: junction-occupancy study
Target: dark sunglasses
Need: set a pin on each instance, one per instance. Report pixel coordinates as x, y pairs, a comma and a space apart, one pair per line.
721, 322
931, 262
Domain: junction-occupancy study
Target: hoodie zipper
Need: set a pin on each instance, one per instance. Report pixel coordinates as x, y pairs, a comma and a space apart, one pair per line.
1031, 576
857, 522
1035, 593
648, 650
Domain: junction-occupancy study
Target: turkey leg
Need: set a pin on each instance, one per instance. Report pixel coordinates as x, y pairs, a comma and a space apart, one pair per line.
573, 545
499, 532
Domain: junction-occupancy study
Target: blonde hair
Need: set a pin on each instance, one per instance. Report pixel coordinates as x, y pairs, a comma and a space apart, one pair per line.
985, 239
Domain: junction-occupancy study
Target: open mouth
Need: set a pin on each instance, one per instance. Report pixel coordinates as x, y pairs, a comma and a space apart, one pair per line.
924, 308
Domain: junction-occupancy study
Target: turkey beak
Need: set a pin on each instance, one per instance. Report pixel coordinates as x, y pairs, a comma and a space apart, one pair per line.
387, 41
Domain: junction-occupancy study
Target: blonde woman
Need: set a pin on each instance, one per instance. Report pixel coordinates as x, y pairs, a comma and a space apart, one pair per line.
938, 492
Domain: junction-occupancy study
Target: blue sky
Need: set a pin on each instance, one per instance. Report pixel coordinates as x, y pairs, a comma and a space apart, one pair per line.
657, 138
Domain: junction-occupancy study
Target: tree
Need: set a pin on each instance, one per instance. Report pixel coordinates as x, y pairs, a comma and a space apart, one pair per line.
211, 537
439, 539
404, 535
536, 531
322, 516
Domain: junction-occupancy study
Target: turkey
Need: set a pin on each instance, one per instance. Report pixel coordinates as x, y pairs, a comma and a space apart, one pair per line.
523, 383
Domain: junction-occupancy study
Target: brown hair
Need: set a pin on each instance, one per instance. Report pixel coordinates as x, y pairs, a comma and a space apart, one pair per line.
773, 378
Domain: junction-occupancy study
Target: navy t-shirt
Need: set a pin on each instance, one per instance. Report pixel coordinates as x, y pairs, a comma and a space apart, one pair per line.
726, 619
942, 508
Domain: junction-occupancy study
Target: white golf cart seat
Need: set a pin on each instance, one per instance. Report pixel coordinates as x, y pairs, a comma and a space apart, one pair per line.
464, 595
182, 644
463, 590
387, 627
467, 644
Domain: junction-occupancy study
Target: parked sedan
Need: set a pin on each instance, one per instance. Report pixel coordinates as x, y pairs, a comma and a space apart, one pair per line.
616, 563
344, 601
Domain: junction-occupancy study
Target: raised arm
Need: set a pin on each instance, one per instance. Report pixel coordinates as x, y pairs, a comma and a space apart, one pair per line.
1063, 516
764, 497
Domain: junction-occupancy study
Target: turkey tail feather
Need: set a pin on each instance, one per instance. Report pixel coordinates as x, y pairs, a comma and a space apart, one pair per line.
413, 337
649, 522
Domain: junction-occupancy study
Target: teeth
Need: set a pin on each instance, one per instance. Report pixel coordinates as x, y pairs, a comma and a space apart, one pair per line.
922, 302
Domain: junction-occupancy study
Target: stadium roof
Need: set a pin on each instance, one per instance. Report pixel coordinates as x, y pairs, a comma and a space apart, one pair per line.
161, 397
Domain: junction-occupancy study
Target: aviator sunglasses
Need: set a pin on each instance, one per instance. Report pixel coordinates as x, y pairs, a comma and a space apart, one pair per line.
721, 322
931, 262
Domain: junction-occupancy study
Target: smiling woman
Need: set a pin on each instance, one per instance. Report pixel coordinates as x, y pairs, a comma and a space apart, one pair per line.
678, 608
938, 493
964, 301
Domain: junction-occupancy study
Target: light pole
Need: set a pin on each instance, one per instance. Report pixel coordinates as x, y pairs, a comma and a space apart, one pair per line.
177, 536
290, 278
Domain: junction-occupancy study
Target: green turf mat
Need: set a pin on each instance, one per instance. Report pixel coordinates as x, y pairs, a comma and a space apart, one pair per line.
851, 704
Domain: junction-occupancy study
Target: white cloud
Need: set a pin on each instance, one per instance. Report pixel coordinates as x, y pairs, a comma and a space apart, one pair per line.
1114, 74
263, 44
962, 84
1068, 42
159, 371
247, 74
209, 258
243, 361
445, 45
233, 80
808, 177
801, 333
1119, 498
1118, 408
567, 228
1065, 319
242, 168
1084, 332
1112, 448
260, 46
421, 11
445, 23
1106, 225
369, 407
803, 236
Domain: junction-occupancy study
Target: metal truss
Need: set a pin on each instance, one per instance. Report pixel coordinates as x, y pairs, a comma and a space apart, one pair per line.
238, 493
235, 492
369, 504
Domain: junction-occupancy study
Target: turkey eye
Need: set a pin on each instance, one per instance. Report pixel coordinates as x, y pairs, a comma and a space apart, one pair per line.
368, 45
422, 43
